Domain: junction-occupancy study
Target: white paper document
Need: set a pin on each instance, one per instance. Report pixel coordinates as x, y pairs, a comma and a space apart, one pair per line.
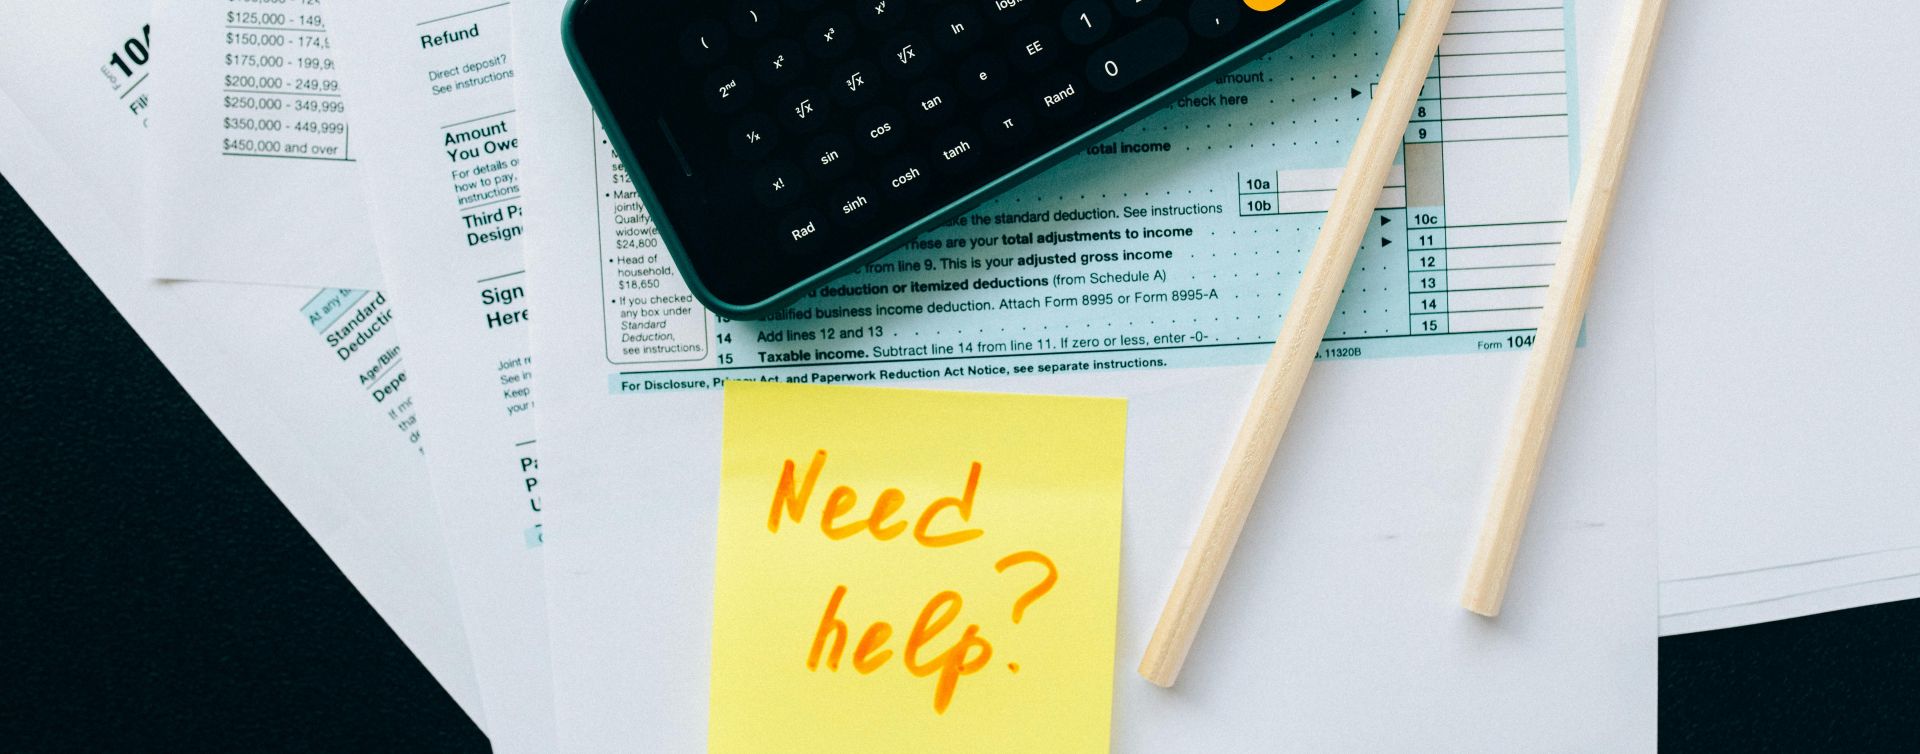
433, 82
309, 385
1342, 599
1789, 426
253, 175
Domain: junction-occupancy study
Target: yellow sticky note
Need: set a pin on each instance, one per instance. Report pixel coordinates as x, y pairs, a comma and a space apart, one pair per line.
915, 571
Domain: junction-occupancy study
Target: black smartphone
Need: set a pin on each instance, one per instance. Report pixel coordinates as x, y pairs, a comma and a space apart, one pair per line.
780, 143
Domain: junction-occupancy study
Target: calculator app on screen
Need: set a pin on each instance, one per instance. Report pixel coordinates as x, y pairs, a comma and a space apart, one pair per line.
778, 143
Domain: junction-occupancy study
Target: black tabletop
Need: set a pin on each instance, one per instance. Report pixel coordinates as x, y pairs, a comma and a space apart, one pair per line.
160, 598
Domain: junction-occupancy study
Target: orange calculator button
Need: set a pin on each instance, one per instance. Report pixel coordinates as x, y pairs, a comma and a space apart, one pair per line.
1264, 5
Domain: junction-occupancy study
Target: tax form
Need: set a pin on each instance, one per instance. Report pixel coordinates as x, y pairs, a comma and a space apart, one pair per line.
253, 176
308, 385
1156, 267
433, 84
1171, 245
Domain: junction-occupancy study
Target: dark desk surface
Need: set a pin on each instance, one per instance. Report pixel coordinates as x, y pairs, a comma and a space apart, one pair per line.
161, 598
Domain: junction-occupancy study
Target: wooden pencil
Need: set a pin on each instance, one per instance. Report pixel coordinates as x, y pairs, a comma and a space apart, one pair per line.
1567, 293
1354, 201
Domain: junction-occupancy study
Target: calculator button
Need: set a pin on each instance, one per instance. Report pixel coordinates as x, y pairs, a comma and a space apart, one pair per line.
754, 19
903, 178
880, 14
853, 203
955, 148
703, 42
753, 137
1034, 48
1135, 8
830, 36
932, 101
800, 233
1214, 18
1142, 51
803, 110
780, 62
957, 28
852, 84
983, 75
728, 90
1085, 21
1007, 123
1059, 95
906, 56
778, 184
1007, 11
878, 130
829, 157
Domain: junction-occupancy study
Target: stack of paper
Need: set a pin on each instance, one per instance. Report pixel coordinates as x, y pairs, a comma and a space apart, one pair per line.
288, 192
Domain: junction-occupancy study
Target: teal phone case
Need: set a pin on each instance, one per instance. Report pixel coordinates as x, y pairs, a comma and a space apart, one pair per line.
771, 304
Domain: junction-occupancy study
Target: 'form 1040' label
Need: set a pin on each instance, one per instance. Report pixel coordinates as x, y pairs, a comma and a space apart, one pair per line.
1179, 241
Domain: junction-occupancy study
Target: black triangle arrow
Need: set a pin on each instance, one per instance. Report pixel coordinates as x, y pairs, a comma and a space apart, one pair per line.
1386, 242
1351, 93
1385, 220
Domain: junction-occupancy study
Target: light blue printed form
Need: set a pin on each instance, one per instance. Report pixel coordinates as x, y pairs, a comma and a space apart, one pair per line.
1177, 242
